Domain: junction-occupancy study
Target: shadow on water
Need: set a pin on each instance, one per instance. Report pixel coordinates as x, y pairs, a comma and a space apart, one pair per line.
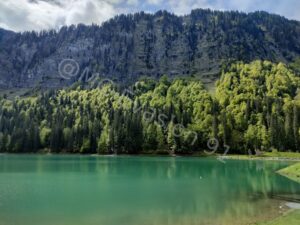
287, 197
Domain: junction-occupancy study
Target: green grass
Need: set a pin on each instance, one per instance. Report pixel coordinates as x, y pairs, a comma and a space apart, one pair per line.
292, 172
281, 154
291, 218
270, 155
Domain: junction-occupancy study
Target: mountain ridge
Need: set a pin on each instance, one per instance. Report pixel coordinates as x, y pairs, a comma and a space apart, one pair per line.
127, 47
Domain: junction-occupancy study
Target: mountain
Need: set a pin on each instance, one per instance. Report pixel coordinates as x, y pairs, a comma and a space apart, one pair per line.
130, 46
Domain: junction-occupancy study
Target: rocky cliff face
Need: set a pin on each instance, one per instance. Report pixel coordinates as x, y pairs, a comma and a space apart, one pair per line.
130, 46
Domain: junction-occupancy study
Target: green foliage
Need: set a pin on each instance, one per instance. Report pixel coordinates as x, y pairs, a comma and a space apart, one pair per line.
259, 99
296, 65
255, 107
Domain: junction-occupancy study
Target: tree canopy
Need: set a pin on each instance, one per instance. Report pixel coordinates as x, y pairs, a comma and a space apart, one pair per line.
255, 108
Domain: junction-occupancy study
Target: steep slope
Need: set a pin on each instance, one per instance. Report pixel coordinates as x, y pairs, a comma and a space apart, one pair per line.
130, 46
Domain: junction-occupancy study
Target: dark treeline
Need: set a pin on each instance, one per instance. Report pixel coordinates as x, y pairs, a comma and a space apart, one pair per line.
256, 107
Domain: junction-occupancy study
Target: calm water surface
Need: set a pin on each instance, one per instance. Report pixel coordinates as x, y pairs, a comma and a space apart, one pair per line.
103, 190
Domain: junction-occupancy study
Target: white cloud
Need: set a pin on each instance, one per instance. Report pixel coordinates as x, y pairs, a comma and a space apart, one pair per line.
20, 15
132, 2
287, 8
154, 2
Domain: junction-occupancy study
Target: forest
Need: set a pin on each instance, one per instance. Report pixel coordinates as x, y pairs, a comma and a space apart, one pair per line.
256, 106
128, 47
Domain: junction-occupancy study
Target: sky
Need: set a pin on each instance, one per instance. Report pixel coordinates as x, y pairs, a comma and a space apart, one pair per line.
24, 15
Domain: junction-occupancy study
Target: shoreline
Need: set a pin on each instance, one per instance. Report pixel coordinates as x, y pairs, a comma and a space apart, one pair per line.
290, 217
280, 156
292, 172
263, 158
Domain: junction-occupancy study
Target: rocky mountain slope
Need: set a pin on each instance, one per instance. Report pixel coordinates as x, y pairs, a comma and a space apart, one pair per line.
130, 46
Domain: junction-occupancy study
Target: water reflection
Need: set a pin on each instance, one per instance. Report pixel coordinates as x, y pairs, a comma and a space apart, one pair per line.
138, 190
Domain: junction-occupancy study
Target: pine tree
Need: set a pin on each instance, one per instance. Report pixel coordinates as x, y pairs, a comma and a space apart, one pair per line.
171, 140
103, 143
160, 139
296, 126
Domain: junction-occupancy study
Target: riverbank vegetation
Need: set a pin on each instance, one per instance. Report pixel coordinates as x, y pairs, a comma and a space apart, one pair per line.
255, 107
292, 172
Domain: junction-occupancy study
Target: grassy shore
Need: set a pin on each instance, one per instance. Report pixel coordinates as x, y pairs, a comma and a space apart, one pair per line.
290, 156
292, 172
290, 218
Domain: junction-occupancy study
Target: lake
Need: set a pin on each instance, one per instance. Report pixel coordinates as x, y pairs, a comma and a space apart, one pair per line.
121, 190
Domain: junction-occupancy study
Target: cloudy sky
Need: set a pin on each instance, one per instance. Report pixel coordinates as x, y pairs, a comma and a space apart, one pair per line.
21, 15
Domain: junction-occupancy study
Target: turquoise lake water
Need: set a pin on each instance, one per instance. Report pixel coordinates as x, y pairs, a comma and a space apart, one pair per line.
106, 190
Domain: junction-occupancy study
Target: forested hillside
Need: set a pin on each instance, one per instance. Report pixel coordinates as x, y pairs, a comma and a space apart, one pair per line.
130, 46
255, 107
